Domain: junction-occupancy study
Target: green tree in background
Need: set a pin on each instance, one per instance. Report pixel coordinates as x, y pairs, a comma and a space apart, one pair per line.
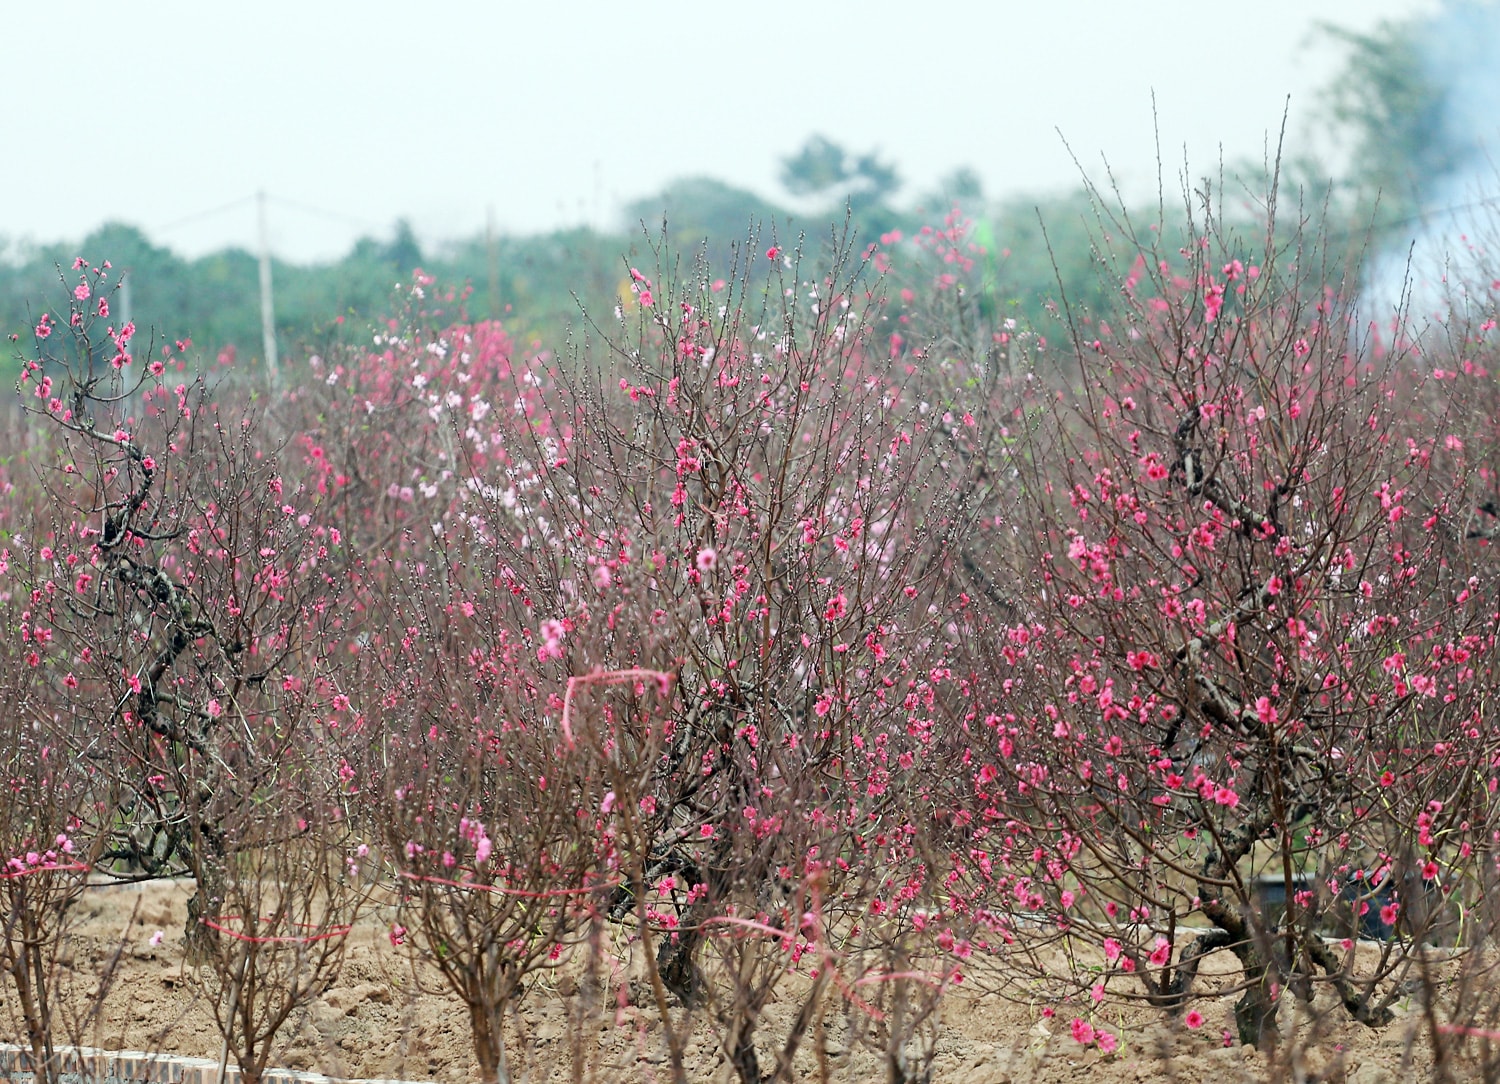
963, 186
703, 211
1400, 101
535, 284
403, 252
1391, 109
1417, 100
822, 168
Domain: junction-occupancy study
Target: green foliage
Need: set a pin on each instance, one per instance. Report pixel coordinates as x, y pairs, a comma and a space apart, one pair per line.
823, 168
403, 253
1046, 257
1393, 111
962, 186
1407, 99
701, 211
214, 300
1032, 255
536, 284
1415, 100
817, 167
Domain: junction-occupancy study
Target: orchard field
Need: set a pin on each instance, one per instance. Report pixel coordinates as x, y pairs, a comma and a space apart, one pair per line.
803, 674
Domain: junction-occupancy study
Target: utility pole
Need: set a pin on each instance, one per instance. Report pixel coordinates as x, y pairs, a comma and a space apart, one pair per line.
127, 310
267, 306
492, 253
127, 314
598, 196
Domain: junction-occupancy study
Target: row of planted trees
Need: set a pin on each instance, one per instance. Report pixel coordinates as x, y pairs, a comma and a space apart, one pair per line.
836, 647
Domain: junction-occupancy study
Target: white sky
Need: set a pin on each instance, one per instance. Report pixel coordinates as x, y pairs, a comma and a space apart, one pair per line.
557, 112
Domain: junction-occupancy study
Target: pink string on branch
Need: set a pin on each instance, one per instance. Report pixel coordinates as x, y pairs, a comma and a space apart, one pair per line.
274, 939
1461, 1029
848, 988
662, 679
780, 934
44, 867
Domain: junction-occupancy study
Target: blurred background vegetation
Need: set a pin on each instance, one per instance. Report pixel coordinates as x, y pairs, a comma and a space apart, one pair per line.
1401, 120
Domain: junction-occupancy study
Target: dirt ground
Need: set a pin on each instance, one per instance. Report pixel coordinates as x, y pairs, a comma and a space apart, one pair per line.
383, 1020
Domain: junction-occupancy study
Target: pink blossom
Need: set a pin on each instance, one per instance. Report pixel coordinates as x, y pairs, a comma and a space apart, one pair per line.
1162, 953
552, 631
1194, 1020
1213, 302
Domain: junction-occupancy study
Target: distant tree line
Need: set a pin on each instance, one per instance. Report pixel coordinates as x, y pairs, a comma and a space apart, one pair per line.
1391, 104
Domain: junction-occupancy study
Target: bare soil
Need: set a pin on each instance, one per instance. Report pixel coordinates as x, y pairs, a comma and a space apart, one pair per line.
384, 1019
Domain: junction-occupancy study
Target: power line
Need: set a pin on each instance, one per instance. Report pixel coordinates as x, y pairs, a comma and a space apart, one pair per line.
296, 205
1421, 216
267, 305
323, 212
205, 214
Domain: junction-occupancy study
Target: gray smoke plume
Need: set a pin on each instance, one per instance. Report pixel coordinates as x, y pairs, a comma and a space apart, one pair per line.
1444, 258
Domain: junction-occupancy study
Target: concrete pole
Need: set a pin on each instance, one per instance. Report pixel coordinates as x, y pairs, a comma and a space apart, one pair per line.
492, 255
267, 306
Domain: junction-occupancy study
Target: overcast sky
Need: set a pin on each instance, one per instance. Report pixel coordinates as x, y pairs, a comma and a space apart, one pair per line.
352, 114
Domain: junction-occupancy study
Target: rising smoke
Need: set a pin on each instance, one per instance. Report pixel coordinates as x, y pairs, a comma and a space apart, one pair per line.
1444, 256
